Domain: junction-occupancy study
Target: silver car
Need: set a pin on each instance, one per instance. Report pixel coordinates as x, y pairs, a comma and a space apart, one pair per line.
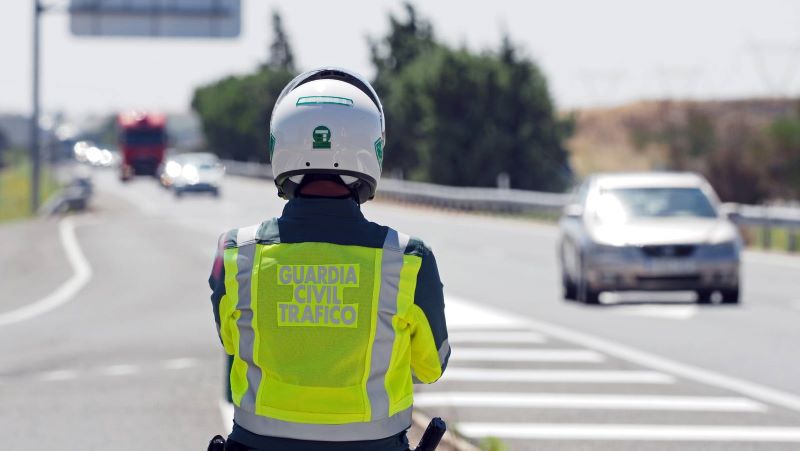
648, 231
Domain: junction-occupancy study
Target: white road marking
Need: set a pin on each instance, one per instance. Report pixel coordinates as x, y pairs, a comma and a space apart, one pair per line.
471, 316
82, 273
677, 312
589, 401
496, 337
120, 370
525, 355
181, 363
226, 412
754, 390
631, 432
458, 374
58, 375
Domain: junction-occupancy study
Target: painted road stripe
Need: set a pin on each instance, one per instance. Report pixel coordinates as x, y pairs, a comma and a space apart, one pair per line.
525, 355
496, 337
82, 273
630, 432
751, 389
181, 363
457, 374
119, 370
605, 402
58, 375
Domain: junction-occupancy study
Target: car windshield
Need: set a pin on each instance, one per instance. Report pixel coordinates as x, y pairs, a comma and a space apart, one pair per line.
201, 160
143, 137
624, 204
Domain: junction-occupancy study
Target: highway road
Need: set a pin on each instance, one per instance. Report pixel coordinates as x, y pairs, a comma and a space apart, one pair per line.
107, 338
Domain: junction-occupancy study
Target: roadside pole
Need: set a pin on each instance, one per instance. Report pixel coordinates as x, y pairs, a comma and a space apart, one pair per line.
35, 154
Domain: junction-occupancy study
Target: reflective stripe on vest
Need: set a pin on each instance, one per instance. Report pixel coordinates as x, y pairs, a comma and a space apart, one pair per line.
246, 241
385, 416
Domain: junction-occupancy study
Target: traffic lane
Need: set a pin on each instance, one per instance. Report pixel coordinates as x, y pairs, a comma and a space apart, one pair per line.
152, 407
30, 247
149, 295
147, 301
511, 265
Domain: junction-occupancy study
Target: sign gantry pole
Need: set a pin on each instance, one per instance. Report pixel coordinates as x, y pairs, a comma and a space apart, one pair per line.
38, 9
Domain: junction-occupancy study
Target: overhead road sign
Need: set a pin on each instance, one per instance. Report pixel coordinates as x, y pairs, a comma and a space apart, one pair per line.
156, 18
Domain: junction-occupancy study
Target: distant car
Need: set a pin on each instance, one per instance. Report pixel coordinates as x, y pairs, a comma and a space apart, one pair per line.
648, 231
194, 172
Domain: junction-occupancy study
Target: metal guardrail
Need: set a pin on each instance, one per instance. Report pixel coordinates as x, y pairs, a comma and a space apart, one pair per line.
765, 217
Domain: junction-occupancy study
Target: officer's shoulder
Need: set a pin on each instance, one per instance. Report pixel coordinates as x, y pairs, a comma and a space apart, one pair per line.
265, 232
417, 247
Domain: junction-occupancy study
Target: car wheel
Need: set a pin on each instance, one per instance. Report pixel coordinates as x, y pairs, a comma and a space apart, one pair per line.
585, 293
570, 288
730, 295
215, 192
178, 193
704, 296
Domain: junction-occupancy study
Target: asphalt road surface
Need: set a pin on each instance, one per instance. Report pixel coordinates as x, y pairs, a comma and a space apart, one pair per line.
107, 339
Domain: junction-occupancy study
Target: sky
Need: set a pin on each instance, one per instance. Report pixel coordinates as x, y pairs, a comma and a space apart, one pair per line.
594, 53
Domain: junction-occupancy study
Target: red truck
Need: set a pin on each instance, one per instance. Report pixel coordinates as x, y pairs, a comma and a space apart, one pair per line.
142, 139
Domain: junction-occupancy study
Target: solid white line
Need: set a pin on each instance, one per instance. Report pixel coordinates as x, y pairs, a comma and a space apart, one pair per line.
120, 370
525, 355
590, 401
58, 375
82, 273
631, 432
457, 374
226, 412
496, 337
181, 363
758, 391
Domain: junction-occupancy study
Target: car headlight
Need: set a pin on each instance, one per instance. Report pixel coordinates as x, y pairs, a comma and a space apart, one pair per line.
722, 250
173, 169
190, 173
607, 252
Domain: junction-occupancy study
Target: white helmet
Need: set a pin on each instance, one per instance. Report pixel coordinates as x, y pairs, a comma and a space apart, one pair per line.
327, 121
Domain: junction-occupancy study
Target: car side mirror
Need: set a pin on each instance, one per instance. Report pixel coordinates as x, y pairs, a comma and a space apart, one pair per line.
731, 211
574, 211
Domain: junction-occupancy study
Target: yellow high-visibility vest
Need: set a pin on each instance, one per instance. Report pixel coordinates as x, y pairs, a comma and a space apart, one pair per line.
321, 336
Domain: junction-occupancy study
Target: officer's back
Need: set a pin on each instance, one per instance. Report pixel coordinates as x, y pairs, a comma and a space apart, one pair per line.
328, 317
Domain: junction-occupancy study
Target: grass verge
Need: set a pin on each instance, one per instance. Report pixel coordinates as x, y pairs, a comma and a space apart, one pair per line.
15, 190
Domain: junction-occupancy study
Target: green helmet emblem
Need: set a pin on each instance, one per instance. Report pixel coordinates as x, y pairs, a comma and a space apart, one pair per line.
321, 137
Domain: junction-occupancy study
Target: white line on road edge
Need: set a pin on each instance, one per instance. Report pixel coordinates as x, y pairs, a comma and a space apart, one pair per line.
181, 363
456, 374
525, 355
82, 273
493, 336
120, 370
58, 375
601, 402
631, 432
760, 392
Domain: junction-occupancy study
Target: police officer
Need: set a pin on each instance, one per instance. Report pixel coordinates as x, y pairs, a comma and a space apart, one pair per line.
329, 318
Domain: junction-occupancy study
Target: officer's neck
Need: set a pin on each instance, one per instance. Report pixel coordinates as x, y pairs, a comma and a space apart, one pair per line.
325, 189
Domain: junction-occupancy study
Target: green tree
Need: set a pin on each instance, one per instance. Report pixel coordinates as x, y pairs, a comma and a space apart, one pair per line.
407, 39
784, 154
460, 118
480, 116
280, 52
234, 112
4, 144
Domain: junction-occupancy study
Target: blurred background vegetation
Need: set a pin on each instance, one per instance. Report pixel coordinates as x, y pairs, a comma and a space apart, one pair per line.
454, 117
